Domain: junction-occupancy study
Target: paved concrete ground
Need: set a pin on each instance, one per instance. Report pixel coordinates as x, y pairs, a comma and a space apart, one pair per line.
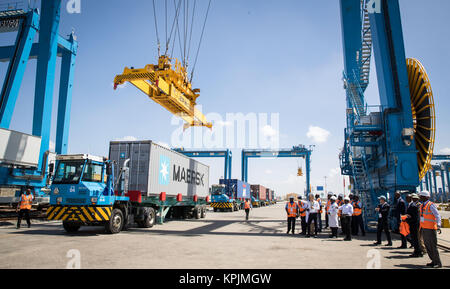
222, 240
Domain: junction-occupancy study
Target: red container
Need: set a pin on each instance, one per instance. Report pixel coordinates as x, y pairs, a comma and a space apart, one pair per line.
258, 192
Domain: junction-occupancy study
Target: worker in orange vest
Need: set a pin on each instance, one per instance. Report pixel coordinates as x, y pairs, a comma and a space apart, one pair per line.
292, 212
430, 223
302, 207
24, 207
357, 218
247, 207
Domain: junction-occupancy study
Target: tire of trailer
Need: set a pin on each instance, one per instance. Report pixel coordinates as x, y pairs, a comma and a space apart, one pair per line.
70, 227
215, 209
203, 215
197, 212
115, 223
150, 218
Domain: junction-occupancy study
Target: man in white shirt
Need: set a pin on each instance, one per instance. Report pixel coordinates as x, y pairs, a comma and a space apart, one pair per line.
332, 214
346, 217
313, 209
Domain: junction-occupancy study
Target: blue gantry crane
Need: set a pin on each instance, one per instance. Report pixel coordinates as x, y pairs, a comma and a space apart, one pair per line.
299, 151
226, 154
430, 181
23, 157
387, 147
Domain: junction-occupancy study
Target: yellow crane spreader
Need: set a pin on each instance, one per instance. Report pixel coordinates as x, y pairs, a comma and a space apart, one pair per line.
169, 87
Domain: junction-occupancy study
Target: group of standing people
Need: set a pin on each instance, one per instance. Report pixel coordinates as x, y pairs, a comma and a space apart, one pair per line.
417, 221
418, 212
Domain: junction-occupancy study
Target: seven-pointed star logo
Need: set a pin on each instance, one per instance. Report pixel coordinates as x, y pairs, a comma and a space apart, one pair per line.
164, 170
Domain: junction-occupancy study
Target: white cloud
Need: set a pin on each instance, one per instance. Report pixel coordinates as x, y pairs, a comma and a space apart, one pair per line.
445, 151
318, 134
268, 172
126, 138
269, 131
334, 172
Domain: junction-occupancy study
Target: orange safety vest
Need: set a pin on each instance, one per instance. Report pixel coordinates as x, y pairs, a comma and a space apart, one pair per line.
327, 208
427, 219
357, 210
247, 205
25, 202
404, 227
339, 202
292, 209
302, 211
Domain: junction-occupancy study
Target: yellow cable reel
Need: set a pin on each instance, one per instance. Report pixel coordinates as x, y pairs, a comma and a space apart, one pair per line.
423, 113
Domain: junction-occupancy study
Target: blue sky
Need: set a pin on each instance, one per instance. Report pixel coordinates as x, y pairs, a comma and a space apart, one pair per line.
270, 56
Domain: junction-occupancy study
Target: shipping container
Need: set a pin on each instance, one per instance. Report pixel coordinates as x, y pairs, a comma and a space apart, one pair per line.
155, 169
258, 192
236, 189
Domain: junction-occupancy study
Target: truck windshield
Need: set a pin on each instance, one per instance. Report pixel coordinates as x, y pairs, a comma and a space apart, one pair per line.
68, 172
217, 190
92, 173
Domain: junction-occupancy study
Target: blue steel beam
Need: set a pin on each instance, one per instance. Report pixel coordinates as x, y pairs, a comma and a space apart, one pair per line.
226, 154
45, 72
401, 169
65, 97
441, 157
16, 68
64, 45
351, 23
295, 152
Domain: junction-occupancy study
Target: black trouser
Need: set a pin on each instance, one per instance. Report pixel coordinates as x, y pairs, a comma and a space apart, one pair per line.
304, 224
347, 227
312, 217
334, 231
291, 224
358, 223
414, 235
383, 226
319, 218
23, 212
430, 240
326, 219
247, 211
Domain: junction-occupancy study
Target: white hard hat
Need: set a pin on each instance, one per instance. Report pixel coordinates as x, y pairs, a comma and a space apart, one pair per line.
341, 195
382, 198
424, 194
330, 193
333, 198
346, 199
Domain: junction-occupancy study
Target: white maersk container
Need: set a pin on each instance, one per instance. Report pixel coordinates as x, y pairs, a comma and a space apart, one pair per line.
155, 169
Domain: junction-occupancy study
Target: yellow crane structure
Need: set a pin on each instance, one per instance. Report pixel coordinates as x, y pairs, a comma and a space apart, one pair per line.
168, 86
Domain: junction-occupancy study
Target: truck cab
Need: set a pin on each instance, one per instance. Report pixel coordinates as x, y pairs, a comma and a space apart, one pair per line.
220, 198
83, 193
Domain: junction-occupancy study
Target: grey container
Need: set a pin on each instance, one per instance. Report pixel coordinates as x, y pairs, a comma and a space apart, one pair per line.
155, 169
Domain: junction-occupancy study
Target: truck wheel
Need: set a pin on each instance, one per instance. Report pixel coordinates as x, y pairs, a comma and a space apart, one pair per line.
115, 223
70, 227
203, 215
150, 218
215, 209
197, 212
